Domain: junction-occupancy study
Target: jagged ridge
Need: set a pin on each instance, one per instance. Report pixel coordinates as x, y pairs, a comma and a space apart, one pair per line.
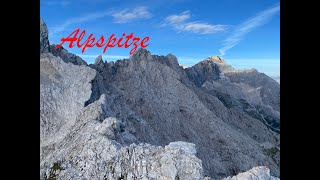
151, 99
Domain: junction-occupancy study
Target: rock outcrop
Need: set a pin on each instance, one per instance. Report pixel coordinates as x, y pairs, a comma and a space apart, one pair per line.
256, 173
45, 47
147, 117
159, 92
44, 41
66, 56
64, 89
78, 142
214, 76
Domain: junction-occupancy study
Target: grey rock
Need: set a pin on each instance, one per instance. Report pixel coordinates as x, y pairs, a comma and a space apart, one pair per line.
44, 41
147, 117
203, 71
66, 56
141, 55
272, 150
45, 47
160, 93
64, 88
256, 173
94, 156
98, 60
98, 64
78, 143
262, 92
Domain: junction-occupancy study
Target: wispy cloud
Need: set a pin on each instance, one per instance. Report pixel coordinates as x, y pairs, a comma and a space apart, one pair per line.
179, 22
128, 15
122, 16
250, 24
203, 28
77, 20
177, 19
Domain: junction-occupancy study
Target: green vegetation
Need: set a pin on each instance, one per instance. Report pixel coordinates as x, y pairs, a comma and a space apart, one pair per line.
272, 151
53, 172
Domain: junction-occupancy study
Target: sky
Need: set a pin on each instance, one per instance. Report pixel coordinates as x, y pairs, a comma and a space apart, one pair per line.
245, 33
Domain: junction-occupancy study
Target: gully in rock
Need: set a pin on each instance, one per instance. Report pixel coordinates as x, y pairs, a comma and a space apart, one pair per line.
110, 43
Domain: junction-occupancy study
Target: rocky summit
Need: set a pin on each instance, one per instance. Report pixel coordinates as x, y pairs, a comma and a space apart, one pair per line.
148, 117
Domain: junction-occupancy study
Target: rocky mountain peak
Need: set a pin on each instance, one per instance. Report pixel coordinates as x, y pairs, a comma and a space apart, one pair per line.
148, 118
203, 71
98, 60
45, 47
66, 56
44, 41
172, 58
215, 59
141, 55
145, 55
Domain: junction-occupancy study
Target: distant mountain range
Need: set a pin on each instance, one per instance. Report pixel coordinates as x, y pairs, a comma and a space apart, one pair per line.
147, 117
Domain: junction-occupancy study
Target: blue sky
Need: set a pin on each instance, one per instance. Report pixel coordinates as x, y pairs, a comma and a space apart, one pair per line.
246, 33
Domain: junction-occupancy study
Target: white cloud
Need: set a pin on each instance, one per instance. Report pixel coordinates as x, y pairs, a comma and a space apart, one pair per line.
239, 33
203, 28
127, 15
77, 20
177, 19
119, 17
179, 22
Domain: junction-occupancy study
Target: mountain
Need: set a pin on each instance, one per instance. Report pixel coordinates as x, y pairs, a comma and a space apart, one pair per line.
147, 117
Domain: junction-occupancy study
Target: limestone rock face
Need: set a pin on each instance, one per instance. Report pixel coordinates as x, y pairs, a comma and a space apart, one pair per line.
214, 76
256, 173
44, 41
64, 89
147, 117
98, 61
203, 71
77, 141
66, 56
160, 92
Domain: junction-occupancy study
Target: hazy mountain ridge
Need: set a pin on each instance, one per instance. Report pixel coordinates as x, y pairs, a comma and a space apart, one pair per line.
230, 116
